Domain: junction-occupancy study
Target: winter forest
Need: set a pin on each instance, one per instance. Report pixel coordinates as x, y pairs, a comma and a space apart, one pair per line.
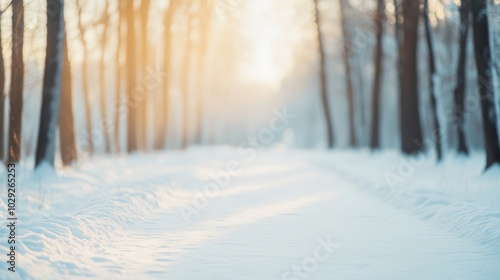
250, 139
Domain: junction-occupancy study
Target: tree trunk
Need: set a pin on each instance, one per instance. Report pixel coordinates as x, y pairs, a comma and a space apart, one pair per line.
132, 100
411, 132
67, 137
344, 6
482, 49
377, 78
433, 81
205, 14
323, 80
16, 82
2, 100
102, 82
459, 93
118, 77
145, 5
52, 78
85, 81
185, 71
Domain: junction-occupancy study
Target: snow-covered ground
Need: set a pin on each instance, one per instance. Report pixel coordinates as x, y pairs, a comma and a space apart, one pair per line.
224, 213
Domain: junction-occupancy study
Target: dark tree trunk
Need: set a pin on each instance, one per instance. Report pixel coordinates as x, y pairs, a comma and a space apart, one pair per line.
482, 49
16, 82
85, 81
398, 33
67, 137
433, 78
102, 82
344, 7
377, 78
119, 80
2, 100
132, 99
51, 92
462, 147
411, 132
323, 80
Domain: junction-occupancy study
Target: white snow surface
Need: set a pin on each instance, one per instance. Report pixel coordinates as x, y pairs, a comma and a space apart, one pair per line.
387, 216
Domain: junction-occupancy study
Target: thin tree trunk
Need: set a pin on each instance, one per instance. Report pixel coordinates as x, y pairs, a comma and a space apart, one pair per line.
433, 80
377, 79
145, 6
85, 81
2, 100
16, 82
67, 137
52, 78
185, 71
411, 132
119, 80
482, 49
462, 147
323, 80
398, 33
102, 81
132, 105
205, 13
344, 5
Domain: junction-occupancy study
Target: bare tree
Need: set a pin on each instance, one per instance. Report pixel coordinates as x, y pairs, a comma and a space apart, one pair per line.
16, 82
205, 17
163, 106
132, 144
433, 81
459, 93
52, 79
483, 54
344, 9
323, 79
67, 136
104, 21
411, 132
377, 78
185, 71
2, 96
144, 59
85, 79
119, 78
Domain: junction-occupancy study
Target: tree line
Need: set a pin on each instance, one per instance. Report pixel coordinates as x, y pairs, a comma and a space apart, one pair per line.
133, 61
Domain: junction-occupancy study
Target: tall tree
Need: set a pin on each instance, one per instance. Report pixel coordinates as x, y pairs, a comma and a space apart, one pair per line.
16, 82
185, 72
377, 79
459, 93
104, 21
323, 78
85, 80
132, 105
119, 78
2, 96
205, 18
483, 54
144, 59
411, 132
433, 81
67, 137
344, 9
163, 106
51, 92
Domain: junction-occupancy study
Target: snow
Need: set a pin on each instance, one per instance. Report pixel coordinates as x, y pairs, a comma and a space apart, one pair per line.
212, 213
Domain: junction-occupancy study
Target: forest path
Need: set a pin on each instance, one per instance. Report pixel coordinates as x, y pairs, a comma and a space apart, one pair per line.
283, 215
273, 215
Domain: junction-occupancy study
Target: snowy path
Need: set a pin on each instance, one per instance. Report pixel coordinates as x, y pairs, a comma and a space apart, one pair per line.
281, 217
